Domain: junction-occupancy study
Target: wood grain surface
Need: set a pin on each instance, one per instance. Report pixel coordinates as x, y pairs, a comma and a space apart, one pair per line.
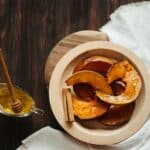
28, 31
68, 42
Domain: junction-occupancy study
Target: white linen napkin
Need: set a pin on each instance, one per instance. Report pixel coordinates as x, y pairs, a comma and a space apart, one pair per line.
48, 138
130, 27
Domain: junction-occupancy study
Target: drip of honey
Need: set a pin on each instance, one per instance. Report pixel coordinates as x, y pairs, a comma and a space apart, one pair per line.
25, 98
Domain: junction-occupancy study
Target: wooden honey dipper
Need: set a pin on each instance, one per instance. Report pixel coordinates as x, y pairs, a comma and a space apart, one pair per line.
16, 104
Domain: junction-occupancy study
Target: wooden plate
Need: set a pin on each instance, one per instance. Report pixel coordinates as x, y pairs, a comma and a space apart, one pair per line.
99, 136
68, 43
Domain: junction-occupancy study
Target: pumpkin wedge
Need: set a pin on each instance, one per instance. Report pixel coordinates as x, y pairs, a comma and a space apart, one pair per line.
88, 109
117, 115
96, 80
117, 71
133, 85
98, 64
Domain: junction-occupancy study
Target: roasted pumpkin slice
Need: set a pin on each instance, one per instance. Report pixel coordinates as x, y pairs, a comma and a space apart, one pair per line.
117, 115
88, 109
96, 80
117, 71
95, 63
133, 85
84, 90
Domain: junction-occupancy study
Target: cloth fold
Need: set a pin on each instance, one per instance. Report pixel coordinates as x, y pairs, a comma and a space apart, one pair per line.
48, 138
129, 26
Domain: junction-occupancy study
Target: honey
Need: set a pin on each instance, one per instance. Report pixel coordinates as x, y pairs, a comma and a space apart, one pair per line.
25, 98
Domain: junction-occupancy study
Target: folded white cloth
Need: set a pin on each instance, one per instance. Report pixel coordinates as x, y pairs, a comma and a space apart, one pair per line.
51, 139
129, 26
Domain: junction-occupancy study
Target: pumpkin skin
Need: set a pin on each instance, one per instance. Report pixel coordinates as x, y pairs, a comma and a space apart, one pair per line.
96, 80
98, 64
133, 84
84, 91
118, 87
117, 115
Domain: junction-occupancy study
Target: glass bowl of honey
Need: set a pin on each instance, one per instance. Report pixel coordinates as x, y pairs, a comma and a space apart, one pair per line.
28, 103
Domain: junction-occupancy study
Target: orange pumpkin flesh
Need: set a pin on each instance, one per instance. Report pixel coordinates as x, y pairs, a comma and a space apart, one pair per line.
98, 64
86, 79
133, 84
117, 71
96, 80
88, 109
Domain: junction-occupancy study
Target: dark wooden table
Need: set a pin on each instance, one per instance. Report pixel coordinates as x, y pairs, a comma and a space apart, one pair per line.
28, 31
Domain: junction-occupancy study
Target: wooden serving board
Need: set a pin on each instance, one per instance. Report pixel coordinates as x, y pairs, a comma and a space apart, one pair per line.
68, 43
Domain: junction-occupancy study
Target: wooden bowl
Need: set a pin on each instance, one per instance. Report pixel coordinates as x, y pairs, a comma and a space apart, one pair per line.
95, 134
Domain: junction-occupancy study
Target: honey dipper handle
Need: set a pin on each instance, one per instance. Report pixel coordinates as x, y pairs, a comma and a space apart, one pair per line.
7, 77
